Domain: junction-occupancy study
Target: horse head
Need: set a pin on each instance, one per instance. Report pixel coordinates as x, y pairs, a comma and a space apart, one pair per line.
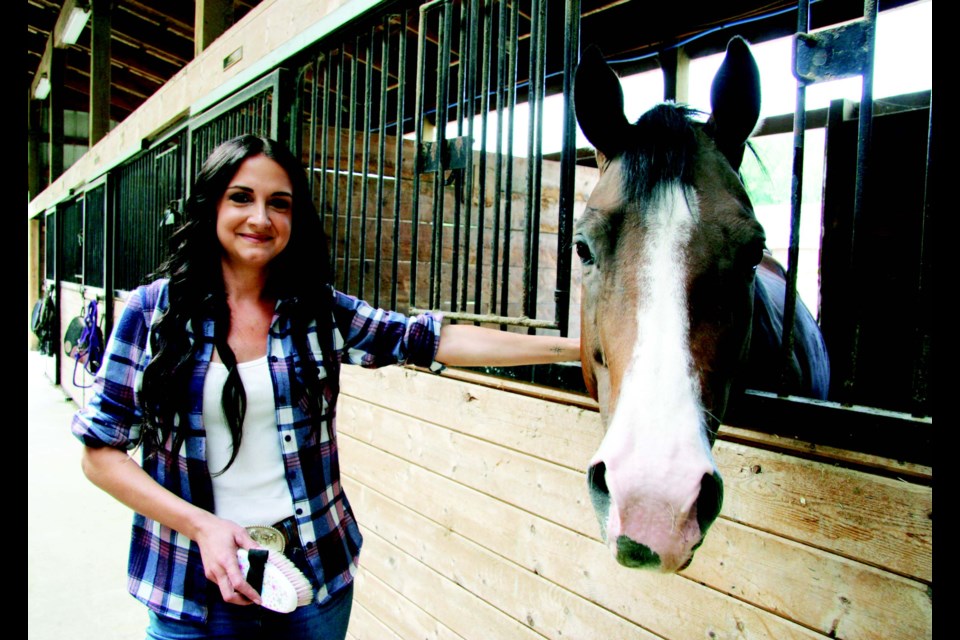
669, 247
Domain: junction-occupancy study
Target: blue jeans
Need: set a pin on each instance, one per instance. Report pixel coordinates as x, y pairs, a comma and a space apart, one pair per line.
236, 622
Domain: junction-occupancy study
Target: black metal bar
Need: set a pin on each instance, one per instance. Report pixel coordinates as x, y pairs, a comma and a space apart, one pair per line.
537, 163
367, 109
438, 175
456, 241
351, 156
314, 66
109, 242
796, 197
325, 63
57, 257
924, 335
335, 206
442, 96
498, 168
418, 146
470, 93
532, 142
514, 45
482, 180
398, 161
443, 116
568, 160
864, 136
381, 152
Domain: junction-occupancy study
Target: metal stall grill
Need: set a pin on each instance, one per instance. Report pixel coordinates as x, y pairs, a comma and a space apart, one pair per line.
875, 244
71, 219
148, 200
429, 189
50, 246
253, 110
94, 236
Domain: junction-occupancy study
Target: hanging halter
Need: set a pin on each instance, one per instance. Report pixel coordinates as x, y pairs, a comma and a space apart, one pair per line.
89, 350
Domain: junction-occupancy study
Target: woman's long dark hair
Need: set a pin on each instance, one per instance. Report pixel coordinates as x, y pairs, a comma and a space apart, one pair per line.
300, 275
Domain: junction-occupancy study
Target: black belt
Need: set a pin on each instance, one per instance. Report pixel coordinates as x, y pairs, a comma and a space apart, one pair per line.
280, 536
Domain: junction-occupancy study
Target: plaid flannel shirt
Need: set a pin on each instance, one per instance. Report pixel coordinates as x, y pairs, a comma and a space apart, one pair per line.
165, 570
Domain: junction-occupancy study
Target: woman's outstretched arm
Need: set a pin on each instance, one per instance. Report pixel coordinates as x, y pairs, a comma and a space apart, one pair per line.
472, 346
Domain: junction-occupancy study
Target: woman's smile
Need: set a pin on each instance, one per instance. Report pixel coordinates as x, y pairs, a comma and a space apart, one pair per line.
256, 238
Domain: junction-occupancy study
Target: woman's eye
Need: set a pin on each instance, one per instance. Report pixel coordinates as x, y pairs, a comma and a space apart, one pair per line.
280, 204
239, 197
583, 252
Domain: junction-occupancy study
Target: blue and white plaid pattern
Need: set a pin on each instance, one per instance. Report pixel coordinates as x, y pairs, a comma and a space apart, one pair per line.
165, 569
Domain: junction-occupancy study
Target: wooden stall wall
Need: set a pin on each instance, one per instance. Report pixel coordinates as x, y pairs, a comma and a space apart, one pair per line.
477, 525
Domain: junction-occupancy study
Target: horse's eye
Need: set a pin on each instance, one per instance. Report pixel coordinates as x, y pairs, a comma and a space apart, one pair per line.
751, 255
583, 252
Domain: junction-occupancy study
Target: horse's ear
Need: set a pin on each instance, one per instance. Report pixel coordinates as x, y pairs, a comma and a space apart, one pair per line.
598, 101
735, 100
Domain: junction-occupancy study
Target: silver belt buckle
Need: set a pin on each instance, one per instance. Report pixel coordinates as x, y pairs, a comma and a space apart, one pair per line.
267, 537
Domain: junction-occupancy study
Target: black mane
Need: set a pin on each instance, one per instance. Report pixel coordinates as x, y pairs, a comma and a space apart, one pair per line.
662, 150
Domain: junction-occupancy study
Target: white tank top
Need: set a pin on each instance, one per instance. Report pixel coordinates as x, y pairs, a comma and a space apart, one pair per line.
253, 490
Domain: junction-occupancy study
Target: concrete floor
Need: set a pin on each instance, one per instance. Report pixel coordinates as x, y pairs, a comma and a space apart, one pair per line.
77, 535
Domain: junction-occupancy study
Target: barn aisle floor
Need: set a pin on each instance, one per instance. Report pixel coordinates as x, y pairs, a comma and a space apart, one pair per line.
77, 535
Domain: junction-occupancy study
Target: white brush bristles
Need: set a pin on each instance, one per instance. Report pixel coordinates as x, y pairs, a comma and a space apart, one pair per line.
284, 586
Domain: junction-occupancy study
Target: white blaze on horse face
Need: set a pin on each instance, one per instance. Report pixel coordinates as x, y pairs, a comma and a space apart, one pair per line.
655, 450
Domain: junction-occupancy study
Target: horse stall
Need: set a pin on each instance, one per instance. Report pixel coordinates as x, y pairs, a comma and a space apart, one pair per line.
423, 128
470, 491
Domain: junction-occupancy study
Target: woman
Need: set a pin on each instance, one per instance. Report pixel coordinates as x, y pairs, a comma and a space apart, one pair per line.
225, 373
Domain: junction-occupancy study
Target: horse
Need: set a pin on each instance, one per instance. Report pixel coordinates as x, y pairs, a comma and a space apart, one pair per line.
681, 306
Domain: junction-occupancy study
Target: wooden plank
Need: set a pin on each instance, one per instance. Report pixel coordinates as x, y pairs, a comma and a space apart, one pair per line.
555, 432
395, 611
523, 388
439, 596
837, 596
364, 625
672, 606
882, 521
810, 450
801, 583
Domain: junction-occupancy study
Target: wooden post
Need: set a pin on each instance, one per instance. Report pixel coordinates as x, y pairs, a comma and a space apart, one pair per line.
55, 123
34, 131
212, 18
675, 65
100, 71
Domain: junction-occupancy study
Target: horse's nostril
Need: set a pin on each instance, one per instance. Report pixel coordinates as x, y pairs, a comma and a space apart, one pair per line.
599, 495
597, 478
709, 501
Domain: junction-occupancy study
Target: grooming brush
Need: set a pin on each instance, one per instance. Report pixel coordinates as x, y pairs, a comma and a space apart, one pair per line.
283, 586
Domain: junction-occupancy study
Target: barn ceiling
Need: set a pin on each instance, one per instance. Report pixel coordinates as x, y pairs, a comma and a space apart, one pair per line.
150, 42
